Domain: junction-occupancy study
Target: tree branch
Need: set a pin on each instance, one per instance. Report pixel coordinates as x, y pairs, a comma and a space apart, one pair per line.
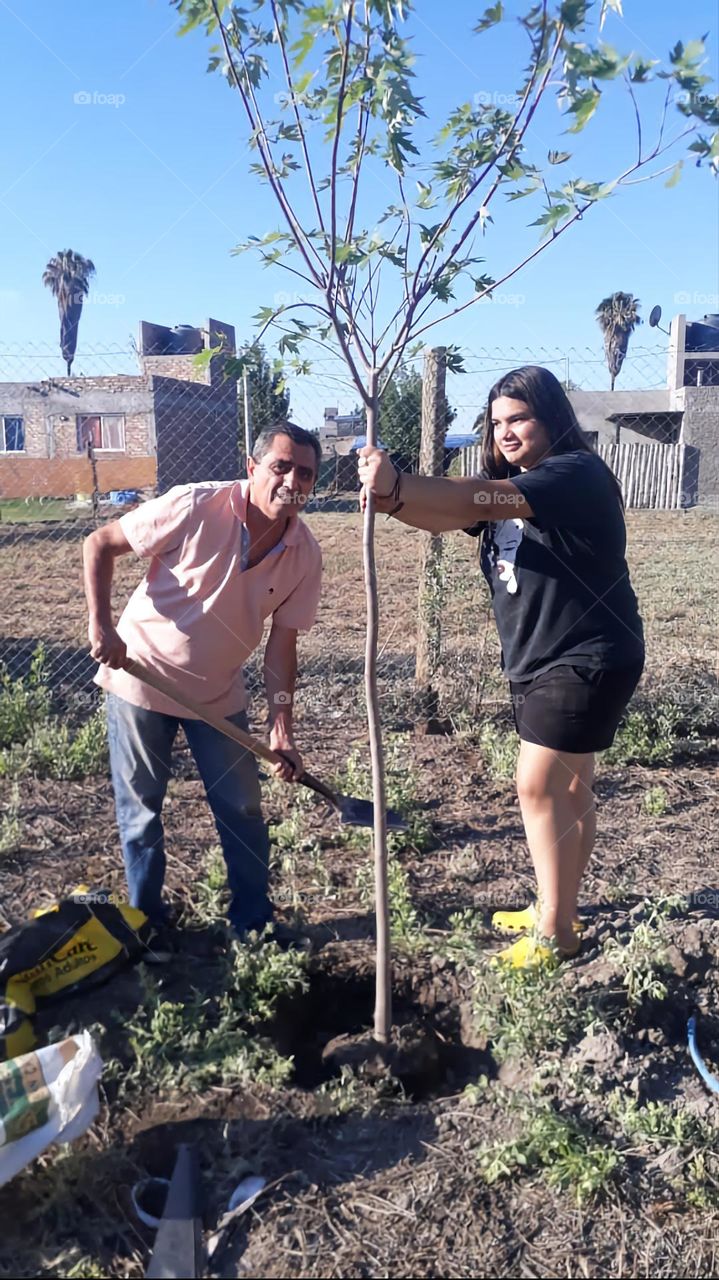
474, 186
638, 118
300, 128
362, 127
335, 150
259, 131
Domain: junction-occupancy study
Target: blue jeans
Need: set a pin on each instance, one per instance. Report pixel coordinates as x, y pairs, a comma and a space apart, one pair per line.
140, 744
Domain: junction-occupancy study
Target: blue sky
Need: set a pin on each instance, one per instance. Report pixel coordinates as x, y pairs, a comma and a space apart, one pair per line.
149, 179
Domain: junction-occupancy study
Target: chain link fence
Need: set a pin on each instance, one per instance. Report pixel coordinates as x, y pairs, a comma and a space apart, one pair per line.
131, 422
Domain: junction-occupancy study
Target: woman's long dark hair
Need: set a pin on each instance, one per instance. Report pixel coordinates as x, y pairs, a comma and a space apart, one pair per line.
549, 404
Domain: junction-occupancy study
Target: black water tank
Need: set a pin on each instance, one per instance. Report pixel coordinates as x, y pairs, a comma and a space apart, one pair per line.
703, 335
186, 340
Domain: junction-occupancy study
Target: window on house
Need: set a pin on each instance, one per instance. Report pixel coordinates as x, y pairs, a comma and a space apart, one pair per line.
12, 435
102, 431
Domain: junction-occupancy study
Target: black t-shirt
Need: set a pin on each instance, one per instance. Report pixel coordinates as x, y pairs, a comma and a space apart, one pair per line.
559, 581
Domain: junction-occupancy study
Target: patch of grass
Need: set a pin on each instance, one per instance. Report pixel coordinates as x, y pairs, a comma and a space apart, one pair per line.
566, 1154
211, 894
53, 750
211, 1039
354, 1092
655, 802
24, 702
500, 749
657, 1122
401, 787
406, 929
525, 1012
10, 825
461, 943
648, 736
641, 959
26, 510
294, 853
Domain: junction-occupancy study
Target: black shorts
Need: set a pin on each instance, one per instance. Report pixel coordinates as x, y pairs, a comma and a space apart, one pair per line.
573, 708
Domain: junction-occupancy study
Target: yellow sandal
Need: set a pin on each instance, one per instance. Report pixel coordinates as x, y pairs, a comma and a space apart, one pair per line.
530, 952
520, 921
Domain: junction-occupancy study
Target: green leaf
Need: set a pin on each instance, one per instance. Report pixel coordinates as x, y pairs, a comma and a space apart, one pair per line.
583, 108
302, 47
558, 157
550, 219
675, 174
426, 200
694, 51
573, 13
454, 360
641, 70
519, 194
491, 17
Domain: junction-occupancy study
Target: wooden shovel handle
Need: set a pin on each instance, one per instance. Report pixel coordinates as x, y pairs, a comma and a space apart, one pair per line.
166, 687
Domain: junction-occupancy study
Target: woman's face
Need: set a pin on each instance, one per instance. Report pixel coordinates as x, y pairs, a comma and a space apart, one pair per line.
520, 438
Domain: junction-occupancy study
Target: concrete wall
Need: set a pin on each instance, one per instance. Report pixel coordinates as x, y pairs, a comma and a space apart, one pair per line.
700, 433
196, 429
593, 409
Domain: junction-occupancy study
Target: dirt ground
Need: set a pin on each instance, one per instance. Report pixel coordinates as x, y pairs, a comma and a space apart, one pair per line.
387, 1181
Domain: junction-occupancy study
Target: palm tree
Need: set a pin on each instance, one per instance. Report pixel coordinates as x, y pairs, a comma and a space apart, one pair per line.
68, 276
618, 316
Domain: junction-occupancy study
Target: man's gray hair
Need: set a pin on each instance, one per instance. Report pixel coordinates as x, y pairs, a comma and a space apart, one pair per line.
265, 439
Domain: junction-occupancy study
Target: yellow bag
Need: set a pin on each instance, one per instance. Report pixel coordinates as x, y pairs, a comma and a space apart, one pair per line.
82, 940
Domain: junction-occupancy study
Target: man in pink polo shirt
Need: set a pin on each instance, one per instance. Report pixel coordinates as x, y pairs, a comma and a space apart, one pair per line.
224, 557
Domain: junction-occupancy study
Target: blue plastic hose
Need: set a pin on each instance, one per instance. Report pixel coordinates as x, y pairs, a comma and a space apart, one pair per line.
710, 1081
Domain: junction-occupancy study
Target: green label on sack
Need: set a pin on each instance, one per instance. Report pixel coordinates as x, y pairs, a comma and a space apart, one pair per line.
24, 1098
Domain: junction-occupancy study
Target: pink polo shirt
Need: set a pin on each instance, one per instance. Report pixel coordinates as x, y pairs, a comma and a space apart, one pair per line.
197, 615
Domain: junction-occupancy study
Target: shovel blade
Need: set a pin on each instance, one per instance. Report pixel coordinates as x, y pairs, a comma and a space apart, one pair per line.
360, 813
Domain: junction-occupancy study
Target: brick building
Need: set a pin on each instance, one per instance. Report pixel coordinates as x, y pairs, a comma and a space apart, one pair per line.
171, 423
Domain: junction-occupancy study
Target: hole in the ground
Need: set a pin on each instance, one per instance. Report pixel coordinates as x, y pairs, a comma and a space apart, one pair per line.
331, 1026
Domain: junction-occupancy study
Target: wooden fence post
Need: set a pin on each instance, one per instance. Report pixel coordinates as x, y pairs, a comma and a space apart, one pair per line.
429, 604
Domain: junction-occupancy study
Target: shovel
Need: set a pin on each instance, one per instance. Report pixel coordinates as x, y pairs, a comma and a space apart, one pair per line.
352, 812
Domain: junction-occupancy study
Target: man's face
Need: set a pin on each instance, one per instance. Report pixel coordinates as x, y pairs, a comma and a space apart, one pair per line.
282, 481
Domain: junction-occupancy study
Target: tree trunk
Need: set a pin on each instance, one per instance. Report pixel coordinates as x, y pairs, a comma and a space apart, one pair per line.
69, 322
383, 997
429, 604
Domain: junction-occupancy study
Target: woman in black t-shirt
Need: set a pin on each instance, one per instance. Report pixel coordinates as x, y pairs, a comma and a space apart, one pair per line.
551, 519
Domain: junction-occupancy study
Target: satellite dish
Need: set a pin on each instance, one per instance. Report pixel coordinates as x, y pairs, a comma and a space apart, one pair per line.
655, 316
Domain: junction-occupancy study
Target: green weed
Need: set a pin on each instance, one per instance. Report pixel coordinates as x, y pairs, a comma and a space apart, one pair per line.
25, 702
52, 750
355, 1092
406, 928
648, 735
210, 893
524, 1012
566, 1154
208, 1040
654, 802
500, 749
11, 830
641, 959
